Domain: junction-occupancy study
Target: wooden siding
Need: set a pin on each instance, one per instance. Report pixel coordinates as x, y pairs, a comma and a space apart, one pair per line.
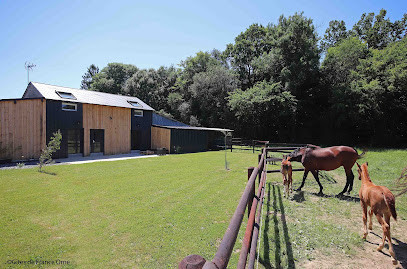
115, 121
160, 138
22, 128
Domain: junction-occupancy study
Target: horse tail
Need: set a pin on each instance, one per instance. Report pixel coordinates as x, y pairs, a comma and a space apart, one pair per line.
361, 155
391, 204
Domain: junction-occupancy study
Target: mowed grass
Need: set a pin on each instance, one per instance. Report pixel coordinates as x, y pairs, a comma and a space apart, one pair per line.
141, 213
307, 226
151, 213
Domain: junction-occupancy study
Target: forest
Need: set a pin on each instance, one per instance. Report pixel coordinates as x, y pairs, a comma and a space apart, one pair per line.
284, 83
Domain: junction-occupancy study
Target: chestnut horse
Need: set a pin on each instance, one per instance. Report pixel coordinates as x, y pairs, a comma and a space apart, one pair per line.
287, 171
381, 202
327, 159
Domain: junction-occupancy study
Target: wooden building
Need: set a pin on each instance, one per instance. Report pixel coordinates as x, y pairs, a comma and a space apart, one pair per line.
90, 122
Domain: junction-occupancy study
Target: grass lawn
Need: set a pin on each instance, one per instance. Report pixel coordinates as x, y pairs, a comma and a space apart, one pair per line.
307, 226
141, 213
151, 213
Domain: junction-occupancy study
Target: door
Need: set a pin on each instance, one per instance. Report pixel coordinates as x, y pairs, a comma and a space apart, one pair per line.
135, 139
97, 140
75, 141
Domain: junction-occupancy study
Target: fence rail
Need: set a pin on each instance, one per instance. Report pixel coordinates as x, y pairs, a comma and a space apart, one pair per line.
254, 204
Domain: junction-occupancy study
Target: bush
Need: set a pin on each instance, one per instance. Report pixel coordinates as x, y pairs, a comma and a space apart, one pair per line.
53, 145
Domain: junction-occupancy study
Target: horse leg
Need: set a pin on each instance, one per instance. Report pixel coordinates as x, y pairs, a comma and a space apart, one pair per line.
303, 180
391, 250
349, 181
349, 178
315, 174
385, 226
370, 219
364, 211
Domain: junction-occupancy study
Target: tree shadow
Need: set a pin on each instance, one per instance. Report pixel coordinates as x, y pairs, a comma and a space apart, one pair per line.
278, 216
48, 173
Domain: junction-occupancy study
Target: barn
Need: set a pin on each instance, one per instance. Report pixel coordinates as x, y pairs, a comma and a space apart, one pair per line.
91, 123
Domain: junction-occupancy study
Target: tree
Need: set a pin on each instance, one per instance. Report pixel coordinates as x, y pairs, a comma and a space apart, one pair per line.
379, 86
377, 31
46, 154
88, 76
265, 110
210, 90
112, 78
248, 45
335, 33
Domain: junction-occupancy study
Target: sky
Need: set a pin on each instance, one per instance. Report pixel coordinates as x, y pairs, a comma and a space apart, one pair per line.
63, 38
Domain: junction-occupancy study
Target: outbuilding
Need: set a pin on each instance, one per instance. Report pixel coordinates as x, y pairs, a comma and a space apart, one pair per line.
91, 122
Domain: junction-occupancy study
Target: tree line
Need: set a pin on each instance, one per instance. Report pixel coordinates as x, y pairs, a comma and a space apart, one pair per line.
284, 83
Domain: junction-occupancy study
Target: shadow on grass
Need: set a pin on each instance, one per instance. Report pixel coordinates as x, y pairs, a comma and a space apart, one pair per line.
48, 173
400, 249
277, 206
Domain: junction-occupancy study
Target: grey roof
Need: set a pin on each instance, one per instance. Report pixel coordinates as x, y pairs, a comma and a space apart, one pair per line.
164, 121
194, 128
36, 90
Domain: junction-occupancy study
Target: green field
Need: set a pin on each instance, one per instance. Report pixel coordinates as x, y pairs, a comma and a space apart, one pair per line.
151, 213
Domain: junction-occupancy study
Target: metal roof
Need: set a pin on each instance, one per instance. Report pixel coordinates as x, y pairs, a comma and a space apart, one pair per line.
50, 92
194, 128
164, 121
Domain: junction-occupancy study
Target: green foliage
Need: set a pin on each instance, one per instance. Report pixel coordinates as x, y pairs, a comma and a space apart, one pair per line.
46, 154
335, 33
264, 107
112, 78
87, 78
377, 31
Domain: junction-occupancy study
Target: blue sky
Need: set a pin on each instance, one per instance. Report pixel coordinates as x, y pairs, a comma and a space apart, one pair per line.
64, 37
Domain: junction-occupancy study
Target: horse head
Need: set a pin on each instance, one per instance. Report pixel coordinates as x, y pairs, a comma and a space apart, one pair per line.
297, 154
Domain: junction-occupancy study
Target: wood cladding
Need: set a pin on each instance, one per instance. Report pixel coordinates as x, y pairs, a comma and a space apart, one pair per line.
160, 138
22, 128
115, 121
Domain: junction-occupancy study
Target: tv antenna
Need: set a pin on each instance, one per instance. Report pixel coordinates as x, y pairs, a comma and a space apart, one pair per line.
29, 66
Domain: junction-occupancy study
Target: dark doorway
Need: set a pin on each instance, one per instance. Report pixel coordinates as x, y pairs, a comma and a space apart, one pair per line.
75, 141
97, 140
135, 139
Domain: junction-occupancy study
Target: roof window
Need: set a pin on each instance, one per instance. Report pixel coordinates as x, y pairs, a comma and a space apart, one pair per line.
134, 103
66, 95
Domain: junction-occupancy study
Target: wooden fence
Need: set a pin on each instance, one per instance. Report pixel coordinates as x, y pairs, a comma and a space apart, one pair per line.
254, 204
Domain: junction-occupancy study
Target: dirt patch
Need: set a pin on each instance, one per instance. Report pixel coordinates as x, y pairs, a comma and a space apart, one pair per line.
367, 256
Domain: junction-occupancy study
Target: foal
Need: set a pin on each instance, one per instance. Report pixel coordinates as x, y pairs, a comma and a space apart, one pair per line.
381, 202
287, 171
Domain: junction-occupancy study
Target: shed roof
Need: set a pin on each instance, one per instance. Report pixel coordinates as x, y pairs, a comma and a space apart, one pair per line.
194, 128
36, 90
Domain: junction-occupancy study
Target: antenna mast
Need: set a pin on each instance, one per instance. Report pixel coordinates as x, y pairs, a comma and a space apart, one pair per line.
29, 66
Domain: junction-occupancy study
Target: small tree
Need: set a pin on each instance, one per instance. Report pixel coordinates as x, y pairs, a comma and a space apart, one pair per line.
53, 145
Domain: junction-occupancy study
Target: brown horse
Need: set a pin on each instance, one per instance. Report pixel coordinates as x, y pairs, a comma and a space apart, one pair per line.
287, 171
381, 202
327, 159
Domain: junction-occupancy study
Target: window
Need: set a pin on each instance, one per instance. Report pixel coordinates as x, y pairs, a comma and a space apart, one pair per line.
66, 95
138, 113
134, 103
69, 107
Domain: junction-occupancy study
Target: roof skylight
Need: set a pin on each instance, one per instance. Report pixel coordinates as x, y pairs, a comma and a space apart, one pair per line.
66, 95
134, 103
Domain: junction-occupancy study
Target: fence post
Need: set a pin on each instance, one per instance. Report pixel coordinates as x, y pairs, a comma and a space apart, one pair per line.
251, 196
258, 161
192, 262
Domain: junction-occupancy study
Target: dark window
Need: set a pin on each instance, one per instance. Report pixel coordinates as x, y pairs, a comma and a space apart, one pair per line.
69, 107
134, 103
66, 95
